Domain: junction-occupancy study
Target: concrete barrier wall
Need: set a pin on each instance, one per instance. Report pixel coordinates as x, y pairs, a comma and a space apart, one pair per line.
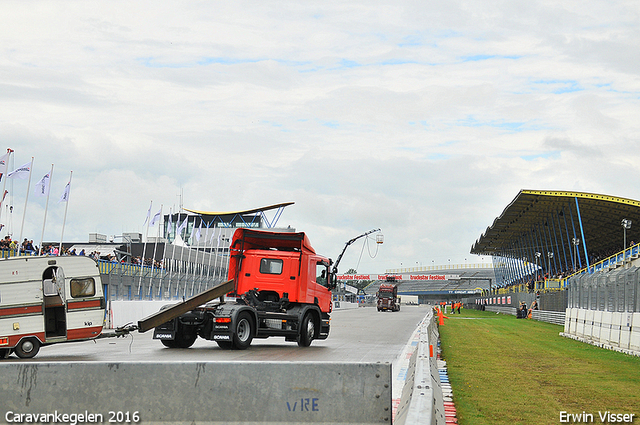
618, 331
422, 400
198, 392
124, 312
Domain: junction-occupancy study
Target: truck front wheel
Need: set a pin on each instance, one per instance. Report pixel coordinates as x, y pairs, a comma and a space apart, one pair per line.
244, 331
307, 331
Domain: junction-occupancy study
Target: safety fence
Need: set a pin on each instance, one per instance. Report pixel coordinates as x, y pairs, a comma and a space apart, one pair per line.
604, 309
613, 290
184, 273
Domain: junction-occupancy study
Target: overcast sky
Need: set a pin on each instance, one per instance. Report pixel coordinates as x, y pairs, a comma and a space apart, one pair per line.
422, 118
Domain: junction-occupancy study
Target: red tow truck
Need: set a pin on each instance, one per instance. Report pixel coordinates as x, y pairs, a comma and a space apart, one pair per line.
279, 286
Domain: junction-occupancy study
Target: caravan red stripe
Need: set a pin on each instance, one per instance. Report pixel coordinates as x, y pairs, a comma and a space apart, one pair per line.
83, 333
83, 304
13, 311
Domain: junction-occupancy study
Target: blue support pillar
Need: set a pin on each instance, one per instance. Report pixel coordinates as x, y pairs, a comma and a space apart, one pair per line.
573, 227
556, 257
584, 242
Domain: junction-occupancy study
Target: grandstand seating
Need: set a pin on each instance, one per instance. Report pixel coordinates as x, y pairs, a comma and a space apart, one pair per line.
467, 280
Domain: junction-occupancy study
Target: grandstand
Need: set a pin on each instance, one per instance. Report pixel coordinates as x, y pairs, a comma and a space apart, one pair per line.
546, 234
440, 283
576, 256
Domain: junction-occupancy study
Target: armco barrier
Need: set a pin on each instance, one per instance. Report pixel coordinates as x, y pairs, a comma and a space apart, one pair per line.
422, 402
197, 392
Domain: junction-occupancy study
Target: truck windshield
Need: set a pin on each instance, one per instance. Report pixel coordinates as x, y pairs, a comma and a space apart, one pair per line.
385, 294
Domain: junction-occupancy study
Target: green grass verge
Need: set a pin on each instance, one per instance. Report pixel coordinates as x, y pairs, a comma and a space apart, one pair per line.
505, 370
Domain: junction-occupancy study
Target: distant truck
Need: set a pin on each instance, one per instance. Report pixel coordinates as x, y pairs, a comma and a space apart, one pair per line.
47, 300
387, 296
280, 286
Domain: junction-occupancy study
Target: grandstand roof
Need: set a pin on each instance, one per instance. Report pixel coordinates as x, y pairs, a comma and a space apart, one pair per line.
251, 211
556, 216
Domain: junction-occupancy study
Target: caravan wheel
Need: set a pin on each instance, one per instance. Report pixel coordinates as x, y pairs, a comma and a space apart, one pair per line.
27, 348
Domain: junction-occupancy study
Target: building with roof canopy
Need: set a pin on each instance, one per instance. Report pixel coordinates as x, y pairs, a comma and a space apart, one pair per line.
556, 233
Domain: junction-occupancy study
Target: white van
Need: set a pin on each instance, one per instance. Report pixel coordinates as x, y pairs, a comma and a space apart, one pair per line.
46, 300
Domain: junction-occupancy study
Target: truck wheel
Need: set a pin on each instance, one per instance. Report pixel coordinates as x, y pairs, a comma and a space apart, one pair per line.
307, 331
169, 343
185, 340
243, 334
27, 348
4, 353
225, 345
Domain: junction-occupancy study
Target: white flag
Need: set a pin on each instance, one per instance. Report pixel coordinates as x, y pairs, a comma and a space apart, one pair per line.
148, 215
182, 226
65, 195
199, 232
155, 218
169, 225
42, 187
21, 172
4, 159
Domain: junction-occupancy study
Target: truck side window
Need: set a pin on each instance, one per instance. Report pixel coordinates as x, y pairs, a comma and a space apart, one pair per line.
270, 266
85, 287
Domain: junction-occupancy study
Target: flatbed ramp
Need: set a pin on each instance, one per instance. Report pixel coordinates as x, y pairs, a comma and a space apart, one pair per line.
201, 392
174, 311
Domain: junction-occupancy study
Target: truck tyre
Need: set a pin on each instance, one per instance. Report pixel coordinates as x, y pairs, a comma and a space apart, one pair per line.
243, 334
225, 345
307, 330
27, 348
169, 343
185, 340
182, 338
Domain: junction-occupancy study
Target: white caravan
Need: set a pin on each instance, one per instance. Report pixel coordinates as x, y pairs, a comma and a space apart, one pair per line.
46, 300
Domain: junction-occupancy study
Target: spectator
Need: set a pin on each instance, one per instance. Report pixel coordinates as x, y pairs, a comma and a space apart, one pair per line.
29, 248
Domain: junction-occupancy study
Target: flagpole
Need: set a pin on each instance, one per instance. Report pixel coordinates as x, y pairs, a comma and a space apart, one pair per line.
173, 254
153, 259
163, 269
4, 177
46, 207
179, 229
195, 262
215, 264
64, 220
144, 251
24, 213
204, 250
213, 223
188, 259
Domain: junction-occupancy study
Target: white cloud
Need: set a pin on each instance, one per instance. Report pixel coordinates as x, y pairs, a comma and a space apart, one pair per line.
423, 119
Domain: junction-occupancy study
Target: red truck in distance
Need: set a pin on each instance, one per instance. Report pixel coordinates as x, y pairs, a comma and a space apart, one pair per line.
387, 296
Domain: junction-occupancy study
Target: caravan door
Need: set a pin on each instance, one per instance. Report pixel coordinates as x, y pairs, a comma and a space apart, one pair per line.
55, 312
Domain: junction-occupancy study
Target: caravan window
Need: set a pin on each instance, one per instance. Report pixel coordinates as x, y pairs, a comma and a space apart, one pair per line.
84, 287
